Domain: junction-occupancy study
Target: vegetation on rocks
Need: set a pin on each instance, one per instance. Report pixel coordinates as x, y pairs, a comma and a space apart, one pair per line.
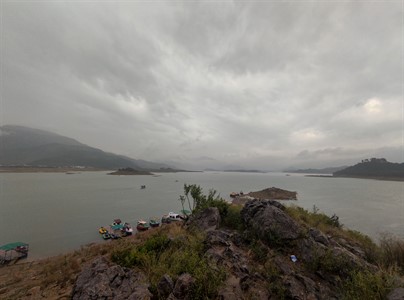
181, 253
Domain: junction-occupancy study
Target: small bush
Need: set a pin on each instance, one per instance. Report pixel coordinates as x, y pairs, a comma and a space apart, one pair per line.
330, 263
233, 219
392, 252
315, 218
221, 205
259, 251
274, 278
160, 255
370, 249
156, 243
367, 285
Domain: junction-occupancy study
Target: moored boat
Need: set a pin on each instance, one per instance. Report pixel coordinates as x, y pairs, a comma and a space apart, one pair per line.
13, 252
154, 223
114, 236
102, 230
116, 222
126, 229
106, 236
142, 225
171, 217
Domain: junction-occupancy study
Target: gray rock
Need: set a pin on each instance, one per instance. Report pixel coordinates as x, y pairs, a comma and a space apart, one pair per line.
102, 280
267, 220
231, 289
396, 294
165, 286
217, 237
206, 220
318, 236
183, 286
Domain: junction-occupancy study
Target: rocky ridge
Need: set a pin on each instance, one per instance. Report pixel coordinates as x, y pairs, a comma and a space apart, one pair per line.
275, 257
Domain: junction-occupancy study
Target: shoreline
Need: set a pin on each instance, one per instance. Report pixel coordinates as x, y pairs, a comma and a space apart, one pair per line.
360, 177
27, 169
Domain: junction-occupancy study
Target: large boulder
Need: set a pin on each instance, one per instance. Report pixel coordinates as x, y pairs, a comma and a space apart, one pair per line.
102, 280
267, 220
206, 220
396, 294
183, 287
165, 286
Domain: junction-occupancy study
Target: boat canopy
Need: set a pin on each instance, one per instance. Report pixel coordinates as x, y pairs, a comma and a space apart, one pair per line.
117, 227
13, 246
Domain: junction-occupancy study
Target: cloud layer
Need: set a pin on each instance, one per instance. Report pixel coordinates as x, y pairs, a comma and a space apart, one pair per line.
249, 84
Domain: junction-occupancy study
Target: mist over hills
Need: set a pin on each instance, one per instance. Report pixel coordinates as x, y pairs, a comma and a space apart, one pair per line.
328, 170
21, 145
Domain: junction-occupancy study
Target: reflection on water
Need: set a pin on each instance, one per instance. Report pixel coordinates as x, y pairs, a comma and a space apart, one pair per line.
56, 213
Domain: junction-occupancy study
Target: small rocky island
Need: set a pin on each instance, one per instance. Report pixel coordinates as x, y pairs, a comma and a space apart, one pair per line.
272, 193
130, 171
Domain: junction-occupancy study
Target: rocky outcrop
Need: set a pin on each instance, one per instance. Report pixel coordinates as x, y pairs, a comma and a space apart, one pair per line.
275, 257
101, 280
396, 294
165, 286
268, 221
205, 220
183, 287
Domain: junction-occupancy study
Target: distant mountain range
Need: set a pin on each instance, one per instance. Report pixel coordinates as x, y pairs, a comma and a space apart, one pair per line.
27, 146
378, 168
235, 170
329, 170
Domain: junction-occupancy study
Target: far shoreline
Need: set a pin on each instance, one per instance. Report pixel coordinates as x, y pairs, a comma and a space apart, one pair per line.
28, 169
360, 177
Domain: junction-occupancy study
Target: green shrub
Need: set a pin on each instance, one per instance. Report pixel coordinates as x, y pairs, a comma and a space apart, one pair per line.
330, 263
259, 250
130, 257
372, 252
313, 219
184, 254
221, 205
233, 219
392, 252
156, 243
367, 285
274, 279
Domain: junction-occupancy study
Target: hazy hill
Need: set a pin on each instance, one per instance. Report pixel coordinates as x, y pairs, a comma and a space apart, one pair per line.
27, 146
328, 170
374, 168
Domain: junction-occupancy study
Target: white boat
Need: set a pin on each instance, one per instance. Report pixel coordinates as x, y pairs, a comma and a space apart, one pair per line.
171, 217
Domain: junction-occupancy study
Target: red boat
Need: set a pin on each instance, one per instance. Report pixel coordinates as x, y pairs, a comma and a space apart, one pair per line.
142, 225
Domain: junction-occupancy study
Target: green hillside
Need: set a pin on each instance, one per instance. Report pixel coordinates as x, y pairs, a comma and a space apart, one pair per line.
373, 168
27, 146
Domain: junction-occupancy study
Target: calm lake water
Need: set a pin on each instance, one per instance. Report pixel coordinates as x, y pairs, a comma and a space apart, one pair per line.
56, 213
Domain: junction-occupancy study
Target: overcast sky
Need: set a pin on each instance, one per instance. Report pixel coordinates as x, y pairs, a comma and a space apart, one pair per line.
264, 85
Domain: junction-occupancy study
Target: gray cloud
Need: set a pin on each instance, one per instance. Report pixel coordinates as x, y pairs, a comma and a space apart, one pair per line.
260, 84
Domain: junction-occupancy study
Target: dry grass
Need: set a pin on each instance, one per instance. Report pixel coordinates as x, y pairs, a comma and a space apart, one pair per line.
392, 252
54, 277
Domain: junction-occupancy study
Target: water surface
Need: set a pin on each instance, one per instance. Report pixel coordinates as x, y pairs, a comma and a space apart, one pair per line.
57, 212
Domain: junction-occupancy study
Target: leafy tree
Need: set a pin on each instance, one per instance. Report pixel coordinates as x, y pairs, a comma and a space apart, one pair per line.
200, 201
